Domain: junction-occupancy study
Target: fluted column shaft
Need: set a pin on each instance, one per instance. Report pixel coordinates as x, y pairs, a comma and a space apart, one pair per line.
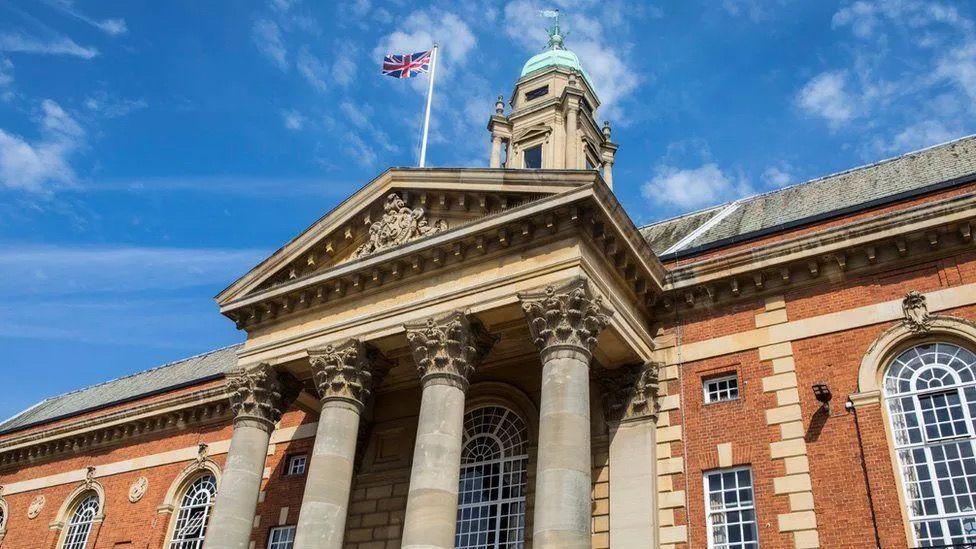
565, 323
344, 376
258, 398
446, 352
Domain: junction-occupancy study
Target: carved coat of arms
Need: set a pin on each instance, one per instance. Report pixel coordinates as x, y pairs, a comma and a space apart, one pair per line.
398, 225
916, 312
138, 489
35, 507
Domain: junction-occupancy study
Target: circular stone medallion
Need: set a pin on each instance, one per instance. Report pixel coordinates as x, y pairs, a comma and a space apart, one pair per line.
138, 489
35, 507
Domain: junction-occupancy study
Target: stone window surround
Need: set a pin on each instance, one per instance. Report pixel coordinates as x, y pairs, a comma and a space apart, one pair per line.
4, 517
71, 503
875, 363
717, 378
179, 486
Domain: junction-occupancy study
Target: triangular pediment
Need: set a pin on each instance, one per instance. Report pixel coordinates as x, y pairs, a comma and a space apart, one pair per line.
399, 207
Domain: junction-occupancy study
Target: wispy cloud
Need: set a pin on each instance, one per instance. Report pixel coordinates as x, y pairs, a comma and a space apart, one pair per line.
112, 26
293, 120
690, 188
40, 165
826, 96
267, 37
104, 104
243, 185
16, 42
62, 270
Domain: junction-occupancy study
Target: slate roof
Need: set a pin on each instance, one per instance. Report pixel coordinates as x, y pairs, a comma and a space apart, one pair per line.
188, 371
841, 193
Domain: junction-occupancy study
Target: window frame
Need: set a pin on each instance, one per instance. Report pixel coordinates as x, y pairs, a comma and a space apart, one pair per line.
286, 544
542, 155
710, 542
78, 502
289, 460
188, 484
734, 376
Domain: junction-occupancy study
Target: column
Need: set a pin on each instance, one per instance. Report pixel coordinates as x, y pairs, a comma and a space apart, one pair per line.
608, 172
495, 160
446, 351
572, 139
631, 408
258, 398
344, 376
564, 323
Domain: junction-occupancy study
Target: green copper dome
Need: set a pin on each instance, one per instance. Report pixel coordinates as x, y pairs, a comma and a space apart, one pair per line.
550, 58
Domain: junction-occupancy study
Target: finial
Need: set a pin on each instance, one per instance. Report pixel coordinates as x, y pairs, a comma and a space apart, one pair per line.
500, 105
606, 129
556, 36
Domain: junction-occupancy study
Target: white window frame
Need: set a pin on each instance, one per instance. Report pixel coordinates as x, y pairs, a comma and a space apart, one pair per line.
708, 510
291, 466
895, 398
78, 528
289, 540
718, 379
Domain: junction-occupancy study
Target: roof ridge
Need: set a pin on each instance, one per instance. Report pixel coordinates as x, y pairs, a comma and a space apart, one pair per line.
877, 163
141, 372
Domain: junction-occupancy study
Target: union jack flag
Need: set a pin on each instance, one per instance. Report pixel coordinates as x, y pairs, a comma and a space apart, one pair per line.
406, 65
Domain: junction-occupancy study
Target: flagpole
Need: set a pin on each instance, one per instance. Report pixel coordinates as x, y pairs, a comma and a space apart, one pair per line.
430, 95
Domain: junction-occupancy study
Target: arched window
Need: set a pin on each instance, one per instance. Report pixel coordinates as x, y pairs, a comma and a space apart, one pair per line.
930, 392
80, 524
194, 513
491, 493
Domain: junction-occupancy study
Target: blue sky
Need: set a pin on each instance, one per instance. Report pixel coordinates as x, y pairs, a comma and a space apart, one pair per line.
151, 152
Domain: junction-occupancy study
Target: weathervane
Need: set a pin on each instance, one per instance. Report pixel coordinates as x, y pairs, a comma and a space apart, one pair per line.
556, 35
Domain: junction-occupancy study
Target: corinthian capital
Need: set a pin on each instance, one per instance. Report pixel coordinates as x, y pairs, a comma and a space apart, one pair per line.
348, 371
261, 394
630, 392
449, 348
565, 317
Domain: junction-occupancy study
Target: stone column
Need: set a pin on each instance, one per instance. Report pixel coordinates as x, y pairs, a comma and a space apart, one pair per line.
608, 172
631, 408
565, 323
258, 398
446, 351
344, 376
572, 139
495, 160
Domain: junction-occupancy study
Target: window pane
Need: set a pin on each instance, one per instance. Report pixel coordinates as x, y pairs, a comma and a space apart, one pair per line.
533, 157
730, 509
931, 397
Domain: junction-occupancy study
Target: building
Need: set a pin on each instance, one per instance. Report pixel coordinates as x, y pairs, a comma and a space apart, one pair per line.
500, 358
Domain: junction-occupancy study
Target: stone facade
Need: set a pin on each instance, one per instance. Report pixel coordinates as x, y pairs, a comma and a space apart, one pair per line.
375, 337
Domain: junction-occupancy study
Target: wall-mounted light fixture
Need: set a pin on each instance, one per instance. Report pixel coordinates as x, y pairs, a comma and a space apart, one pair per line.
823, 395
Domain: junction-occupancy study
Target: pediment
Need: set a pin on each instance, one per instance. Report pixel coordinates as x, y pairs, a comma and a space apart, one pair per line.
531, 132
399, 207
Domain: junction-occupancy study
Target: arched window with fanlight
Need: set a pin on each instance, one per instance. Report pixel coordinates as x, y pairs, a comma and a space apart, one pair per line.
83, 517
491, 492
930, 391
194, 513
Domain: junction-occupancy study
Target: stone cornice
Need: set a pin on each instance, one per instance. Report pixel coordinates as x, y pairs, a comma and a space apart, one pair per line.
864, 244
590, 210
199, 407
411, 180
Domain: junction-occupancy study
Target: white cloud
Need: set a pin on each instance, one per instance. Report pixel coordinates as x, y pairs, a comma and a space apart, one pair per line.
312, 69
36, 166
344, 68
776, 176
267, 37
61, 45
705, 185
920, 135
6, 78
360, 151
110, 107
293, 120
421, 30
872, 19
959, 67
826, 96
112, 26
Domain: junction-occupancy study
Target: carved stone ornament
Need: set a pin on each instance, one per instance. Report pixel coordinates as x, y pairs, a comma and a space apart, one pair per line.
348, 371
630, 392
90, 476
35, 507
565, 316
259, 394
449, 348
203, 453
138, 489
916, 311
398, 225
